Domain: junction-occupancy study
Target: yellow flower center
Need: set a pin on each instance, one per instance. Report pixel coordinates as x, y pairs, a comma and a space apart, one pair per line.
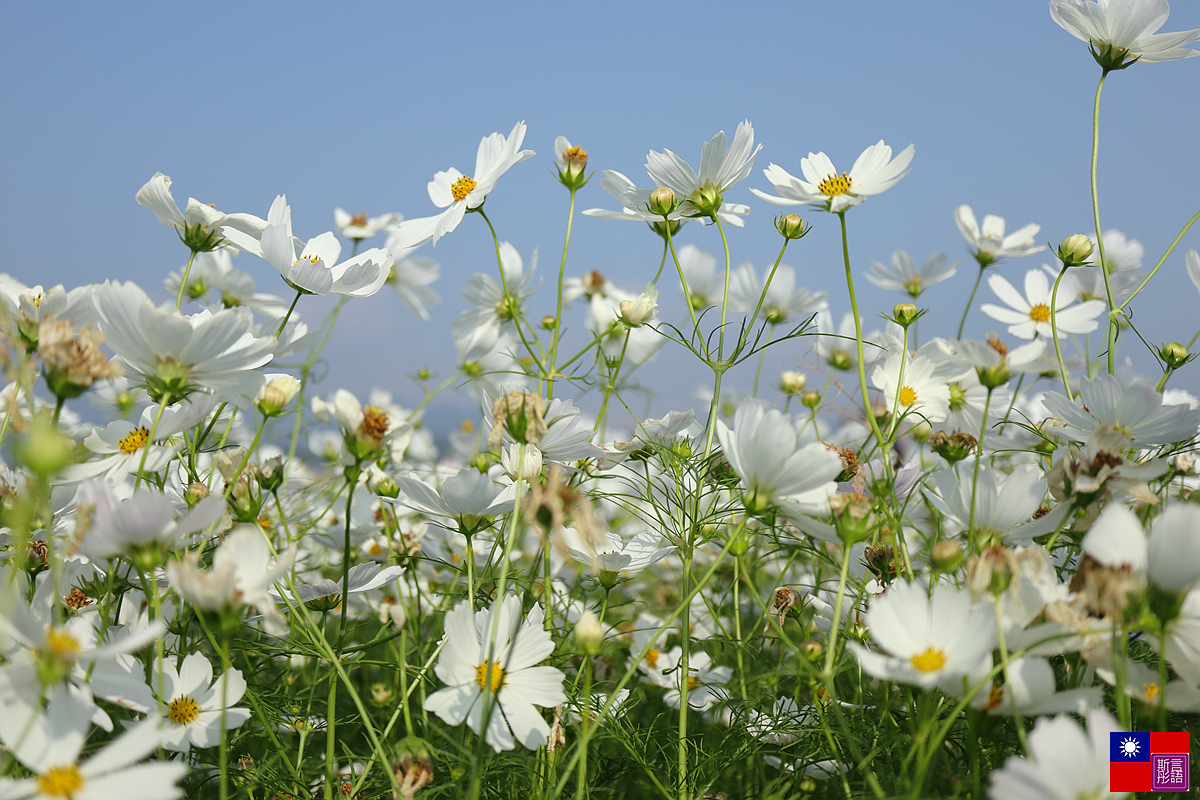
1040, 313
60, 782
1151, 691
309, 259
61, 643
489, 676
135, 441
462, 187
930, 661
835, 184
575, 155
359, 220
183, 710
652, 659
908, 396
693, 682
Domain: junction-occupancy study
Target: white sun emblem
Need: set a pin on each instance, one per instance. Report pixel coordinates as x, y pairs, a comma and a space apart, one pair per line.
1129, 747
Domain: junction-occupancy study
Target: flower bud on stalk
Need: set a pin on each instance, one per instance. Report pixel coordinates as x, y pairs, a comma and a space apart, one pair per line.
792, 383
707, 199
1174, 354
792, 226
905, 314
663, 201
1074, 250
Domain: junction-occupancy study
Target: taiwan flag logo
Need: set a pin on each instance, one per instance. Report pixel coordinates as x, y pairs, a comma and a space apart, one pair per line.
1149, 762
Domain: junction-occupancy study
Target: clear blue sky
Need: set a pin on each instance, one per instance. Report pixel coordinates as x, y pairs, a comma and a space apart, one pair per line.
359, 104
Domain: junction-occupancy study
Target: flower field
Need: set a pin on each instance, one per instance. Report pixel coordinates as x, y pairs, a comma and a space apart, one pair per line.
912, 564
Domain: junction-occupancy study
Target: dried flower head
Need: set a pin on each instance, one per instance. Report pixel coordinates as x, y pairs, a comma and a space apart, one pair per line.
73, 362
521, 414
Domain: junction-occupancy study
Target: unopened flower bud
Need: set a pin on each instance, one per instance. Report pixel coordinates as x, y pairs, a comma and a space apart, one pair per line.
905, 313
810, 399
1175, 354
275, 394
812, 650
386, 487
1184, 462
792, 226
947, 555
195, 492
589, 633
792, 383
921, 431
549, 323
707, 199
640, 310
663, 201
1075, 249
44, 450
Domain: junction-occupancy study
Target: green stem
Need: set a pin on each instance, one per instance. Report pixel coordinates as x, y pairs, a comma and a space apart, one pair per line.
562, 268
183, 281
283, 323
1112, 306
858, 343
970, 300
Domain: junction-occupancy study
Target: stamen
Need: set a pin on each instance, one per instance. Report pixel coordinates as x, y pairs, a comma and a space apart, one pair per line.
183, 710
908, 396
462, 187
60, 782
835, 184
1040, 313
135, 441
490, 677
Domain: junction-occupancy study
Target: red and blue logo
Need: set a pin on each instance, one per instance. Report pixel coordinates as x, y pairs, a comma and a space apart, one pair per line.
1149, 762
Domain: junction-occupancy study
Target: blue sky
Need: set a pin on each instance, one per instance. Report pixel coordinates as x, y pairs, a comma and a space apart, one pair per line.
357, 106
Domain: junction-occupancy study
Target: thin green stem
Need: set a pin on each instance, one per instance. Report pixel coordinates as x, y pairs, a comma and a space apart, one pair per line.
562, 268
183, 280
1112, 306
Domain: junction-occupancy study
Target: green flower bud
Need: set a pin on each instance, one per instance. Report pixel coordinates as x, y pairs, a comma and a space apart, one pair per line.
810, 399
792, 383
707, 199
44, 450
905, 314
792, 226
1175, 354
1075, 249
663, 201
549, 323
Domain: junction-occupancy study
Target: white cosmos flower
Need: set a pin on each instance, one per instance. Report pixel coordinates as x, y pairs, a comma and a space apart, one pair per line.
1064, 762
720, 171
241, 575
1135, 411
145, 520
156, 196
763, 449
411, 276
177, 353
497, 677
990, 244
1121, 32
616, 556
459, 193
1029, 316
359, 226
48, 743
467, 497
928, 641
874, 172
923, 392
904, 276
1169, 555
783, 300
314, 268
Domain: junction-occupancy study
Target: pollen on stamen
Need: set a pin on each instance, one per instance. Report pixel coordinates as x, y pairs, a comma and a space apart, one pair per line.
310, 259
834, 185
462, 187
135, 441
359, 220
374, 423
183, 710
908, 396
1040, 313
